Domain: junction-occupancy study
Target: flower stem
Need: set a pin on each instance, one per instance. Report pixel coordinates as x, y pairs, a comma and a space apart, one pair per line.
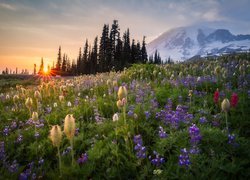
72, 151
60, 162
124, 115
36, 142
226, 121
37, 105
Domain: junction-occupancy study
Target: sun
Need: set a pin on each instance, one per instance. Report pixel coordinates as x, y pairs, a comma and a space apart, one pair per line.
45, 71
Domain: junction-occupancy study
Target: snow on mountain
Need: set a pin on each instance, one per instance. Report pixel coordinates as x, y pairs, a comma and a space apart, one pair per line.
186, 42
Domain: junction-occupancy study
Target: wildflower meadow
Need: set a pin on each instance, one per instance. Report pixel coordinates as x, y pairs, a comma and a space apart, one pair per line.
188, 120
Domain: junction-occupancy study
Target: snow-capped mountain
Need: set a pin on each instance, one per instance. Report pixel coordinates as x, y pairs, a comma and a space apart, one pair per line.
186, 42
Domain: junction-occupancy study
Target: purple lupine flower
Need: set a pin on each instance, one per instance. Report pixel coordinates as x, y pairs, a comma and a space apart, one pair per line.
231, 138
41, 161
138, 139
130, 113
203, 120
37, 134
13, 167
23, 176
194, 150
97, 115
154, 103
162, 133
139, 148
83, 158
39, 125
48, 110
6, 131
184, 158
13, 125
157, 160
194, 133
147, 114
2, 151
76, 103
77, 130
29, 122
169, 105
33, 176
19, 138
66, 151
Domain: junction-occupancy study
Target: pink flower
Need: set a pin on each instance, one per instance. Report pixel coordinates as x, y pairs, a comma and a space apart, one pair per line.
216, 96
234, 100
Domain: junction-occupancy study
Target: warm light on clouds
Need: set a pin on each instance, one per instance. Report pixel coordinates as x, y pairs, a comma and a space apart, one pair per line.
30, 30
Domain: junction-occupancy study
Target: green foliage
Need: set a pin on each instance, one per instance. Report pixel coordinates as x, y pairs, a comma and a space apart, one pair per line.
110, 145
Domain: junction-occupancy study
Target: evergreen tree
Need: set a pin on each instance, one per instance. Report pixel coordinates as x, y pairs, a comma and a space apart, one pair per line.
157, 58
103, 60
79, 63
59, 60
84, 67
73, 70
34, 69
94, 56
64, 63
118, 54
144, 51
41, 70
68, 65
126, 51
138, 53
133, 53
151, 59
114, 35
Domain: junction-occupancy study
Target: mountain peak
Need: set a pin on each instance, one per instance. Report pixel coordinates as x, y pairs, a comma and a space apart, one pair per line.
186, 42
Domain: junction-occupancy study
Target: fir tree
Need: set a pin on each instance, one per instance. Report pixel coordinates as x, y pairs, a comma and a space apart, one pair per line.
144, 51
64, 63
126, 51
79, 63
41, 70
104, 49
94, 56
68, 65
59, 60
114, 35
138, 53
133, 53
84, 67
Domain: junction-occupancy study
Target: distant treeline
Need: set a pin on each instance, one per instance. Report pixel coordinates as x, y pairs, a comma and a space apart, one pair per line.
112, 52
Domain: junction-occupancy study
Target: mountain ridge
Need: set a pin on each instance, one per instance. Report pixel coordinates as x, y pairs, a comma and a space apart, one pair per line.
183, 43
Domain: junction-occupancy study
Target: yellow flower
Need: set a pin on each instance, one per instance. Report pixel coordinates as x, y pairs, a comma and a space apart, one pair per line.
119, 104
225, 105
15, 98
217, 70
34, 116
56, 135
69, 126
29, 103
122, 92
37, 95
115, 83
61, 98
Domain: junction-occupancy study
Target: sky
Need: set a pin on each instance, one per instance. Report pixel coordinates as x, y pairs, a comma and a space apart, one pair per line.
32, 29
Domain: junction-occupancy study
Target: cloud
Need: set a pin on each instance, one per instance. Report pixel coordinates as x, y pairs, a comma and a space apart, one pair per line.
213, 15
7, 6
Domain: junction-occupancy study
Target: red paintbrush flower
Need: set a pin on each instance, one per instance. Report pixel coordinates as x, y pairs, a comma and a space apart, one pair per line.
216, 96
234, 100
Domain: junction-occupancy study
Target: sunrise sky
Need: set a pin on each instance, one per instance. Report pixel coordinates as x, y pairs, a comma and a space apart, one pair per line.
31, 29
